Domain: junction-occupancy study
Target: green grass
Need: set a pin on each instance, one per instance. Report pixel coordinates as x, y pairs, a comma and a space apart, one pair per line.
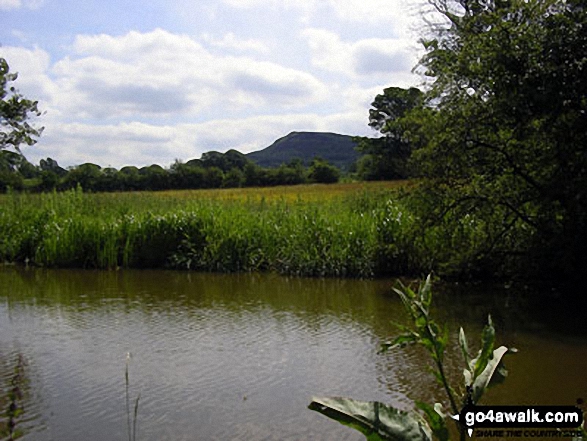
346, 230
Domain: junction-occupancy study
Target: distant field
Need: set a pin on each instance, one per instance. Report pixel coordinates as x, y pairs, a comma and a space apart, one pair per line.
307, 192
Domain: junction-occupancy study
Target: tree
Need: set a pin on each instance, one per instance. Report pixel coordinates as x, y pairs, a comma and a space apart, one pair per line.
322, 172
52, 166
234, 178
51, 173
235, 159
11, 164
224, 161
186, 176
292, 173
385, 158
154, 177
130, 178
214, 159
505, 138
213, 177
15, 111
252, 175
87, 175
49, 181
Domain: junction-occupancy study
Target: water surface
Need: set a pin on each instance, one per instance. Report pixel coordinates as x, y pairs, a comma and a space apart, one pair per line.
238, 357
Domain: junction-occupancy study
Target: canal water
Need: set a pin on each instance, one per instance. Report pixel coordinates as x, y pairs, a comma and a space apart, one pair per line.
239, 357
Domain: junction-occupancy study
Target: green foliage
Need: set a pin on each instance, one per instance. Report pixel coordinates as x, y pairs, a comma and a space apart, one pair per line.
50, 165
371, 233
213, 177
11, 164
501, 139
292, 173
322, 172
15, 111
234, 178
376, 421
77, 229
436, 418
153, 177
215, 170
485, 370
85, 175
386, 158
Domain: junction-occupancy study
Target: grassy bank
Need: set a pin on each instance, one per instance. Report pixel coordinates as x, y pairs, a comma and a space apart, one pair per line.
355, 230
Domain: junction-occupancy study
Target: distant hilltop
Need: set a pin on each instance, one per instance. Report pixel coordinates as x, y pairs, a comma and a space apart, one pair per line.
339, 150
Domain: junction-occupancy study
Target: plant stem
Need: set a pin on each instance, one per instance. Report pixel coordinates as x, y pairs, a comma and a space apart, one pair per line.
127, 404
437, 358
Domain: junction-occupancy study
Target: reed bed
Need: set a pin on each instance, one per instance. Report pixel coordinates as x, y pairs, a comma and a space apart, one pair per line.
347, 230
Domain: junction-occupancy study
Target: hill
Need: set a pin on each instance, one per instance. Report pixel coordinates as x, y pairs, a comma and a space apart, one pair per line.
337, 149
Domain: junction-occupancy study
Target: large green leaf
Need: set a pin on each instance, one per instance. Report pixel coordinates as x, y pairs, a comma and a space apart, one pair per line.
493, 367
377, 421
487, 341
436, 419
464, 346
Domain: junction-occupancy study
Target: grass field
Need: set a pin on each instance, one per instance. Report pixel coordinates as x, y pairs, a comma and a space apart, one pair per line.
353, 229
307, 192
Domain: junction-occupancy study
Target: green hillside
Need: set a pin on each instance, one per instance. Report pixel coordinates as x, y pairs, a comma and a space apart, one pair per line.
337, 149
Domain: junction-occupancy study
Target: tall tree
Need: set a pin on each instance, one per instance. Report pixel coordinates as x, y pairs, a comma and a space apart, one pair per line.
385, 158
15, 112
506, 136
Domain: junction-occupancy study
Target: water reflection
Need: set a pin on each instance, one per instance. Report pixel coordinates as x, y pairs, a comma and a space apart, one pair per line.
239, 356
12, 390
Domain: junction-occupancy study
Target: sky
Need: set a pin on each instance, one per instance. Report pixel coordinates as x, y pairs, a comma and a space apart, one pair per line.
140, 82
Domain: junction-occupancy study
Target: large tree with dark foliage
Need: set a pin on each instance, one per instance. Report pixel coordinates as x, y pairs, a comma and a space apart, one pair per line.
504, 141
385, 158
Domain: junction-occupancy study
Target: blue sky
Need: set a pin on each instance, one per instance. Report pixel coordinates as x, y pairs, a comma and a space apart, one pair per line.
130, 82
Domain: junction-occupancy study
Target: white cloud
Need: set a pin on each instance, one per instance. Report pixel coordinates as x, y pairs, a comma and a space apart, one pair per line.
164, 74
134, 45
360, 98
401, 13
328, 51
32, 66
231, 41
28, 62
149, 97
300, 5
107, 144
7, 5
263, 82
381, 57
390, 58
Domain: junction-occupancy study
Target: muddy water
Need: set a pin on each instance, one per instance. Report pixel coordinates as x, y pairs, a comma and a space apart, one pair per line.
238, 357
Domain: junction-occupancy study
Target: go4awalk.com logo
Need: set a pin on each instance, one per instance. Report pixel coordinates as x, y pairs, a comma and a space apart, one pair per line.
563, 421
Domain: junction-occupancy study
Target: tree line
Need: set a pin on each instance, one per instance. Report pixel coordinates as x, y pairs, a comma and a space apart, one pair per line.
213, 170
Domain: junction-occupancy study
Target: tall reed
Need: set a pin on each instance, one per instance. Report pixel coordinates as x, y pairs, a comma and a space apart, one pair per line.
131, 429
354, 235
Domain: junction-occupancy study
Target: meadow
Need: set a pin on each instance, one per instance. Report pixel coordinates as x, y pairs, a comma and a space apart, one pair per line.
343, 230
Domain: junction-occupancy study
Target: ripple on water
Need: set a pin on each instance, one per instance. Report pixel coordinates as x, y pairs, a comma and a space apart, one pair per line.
214, 357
